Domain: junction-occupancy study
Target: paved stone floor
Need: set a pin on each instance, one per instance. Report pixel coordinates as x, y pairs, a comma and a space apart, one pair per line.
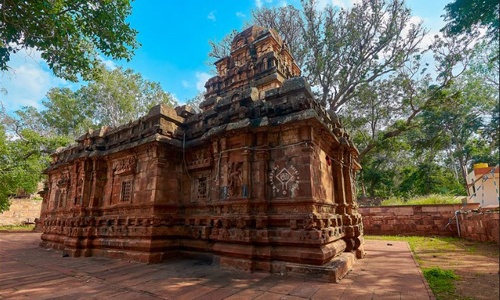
28, 271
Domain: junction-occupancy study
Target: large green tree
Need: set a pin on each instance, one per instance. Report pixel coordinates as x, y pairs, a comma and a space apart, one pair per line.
115, 97
25, 146
65, 113
436, 153
70, 34
119, 96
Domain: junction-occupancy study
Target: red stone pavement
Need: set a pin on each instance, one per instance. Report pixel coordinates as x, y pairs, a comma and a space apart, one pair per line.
389, 271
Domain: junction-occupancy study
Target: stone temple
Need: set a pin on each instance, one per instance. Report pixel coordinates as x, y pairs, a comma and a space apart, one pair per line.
263, 178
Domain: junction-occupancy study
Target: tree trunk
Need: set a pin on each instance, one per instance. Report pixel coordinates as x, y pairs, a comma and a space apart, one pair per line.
463, 167
363, 188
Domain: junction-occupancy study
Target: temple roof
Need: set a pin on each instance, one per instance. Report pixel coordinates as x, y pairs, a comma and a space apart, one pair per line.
259, 58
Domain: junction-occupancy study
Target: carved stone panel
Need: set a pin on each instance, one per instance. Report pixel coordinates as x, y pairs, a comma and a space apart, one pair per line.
125, 166
235, 180
200, 186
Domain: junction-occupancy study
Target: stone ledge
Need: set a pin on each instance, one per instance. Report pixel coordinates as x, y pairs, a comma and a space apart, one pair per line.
332, 271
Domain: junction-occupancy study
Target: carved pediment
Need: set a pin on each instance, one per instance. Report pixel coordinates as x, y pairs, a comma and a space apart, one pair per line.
199, 159
63, 181
125, 166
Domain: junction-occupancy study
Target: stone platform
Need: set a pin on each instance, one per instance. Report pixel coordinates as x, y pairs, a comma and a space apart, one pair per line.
28, 271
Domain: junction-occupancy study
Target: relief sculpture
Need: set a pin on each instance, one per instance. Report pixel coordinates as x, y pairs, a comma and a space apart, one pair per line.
235, 179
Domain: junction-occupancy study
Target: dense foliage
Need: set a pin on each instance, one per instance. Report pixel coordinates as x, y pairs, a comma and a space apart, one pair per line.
70, 34
467, 16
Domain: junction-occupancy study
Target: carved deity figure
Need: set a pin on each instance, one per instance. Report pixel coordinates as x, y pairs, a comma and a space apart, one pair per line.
235, 179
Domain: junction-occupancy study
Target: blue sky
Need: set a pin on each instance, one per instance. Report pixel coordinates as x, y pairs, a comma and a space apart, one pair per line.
174, 37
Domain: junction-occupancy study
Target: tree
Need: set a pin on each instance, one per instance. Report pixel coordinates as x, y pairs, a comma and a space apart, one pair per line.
119, 96
70, 34
368, 64
66, 113
351, 47
464, 16
288, 22
196, 101
220, 49
24, 153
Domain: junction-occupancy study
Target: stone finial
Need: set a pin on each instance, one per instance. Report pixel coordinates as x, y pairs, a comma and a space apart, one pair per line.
184, 111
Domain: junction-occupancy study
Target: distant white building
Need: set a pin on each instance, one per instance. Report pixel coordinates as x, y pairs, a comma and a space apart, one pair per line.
484, 185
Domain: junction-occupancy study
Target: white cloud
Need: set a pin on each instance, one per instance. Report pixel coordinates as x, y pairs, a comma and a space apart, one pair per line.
340, 3
211, 16
109, 64
240, 14
259, 3
28, 81
176, 99
201, 79
185, 84
321, 4
428, 39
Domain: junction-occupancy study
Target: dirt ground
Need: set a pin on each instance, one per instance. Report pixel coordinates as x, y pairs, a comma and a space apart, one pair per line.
477, 264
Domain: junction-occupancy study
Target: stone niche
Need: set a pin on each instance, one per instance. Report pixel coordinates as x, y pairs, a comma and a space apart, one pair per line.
262, 179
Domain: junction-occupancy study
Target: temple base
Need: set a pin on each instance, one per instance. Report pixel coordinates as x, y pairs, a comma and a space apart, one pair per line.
333, 271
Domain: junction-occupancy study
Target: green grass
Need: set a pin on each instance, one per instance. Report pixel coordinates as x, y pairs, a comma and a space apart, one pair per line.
442, 282
20, 227
422, 200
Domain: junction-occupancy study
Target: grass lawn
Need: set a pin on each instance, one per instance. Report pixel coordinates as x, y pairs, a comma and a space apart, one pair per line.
455, 268
20, 227
423, 200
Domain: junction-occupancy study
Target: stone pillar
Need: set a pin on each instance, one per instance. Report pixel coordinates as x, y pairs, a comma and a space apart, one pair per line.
260, 168
216, 174
223, 170
338, 179
246, 180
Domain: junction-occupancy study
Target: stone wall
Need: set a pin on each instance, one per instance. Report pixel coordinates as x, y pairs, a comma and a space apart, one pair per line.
21, 210
480, 225
430, 220
422, 220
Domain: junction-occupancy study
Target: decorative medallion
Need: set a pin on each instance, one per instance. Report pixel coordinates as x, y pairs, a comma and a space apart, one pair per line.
285, 181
